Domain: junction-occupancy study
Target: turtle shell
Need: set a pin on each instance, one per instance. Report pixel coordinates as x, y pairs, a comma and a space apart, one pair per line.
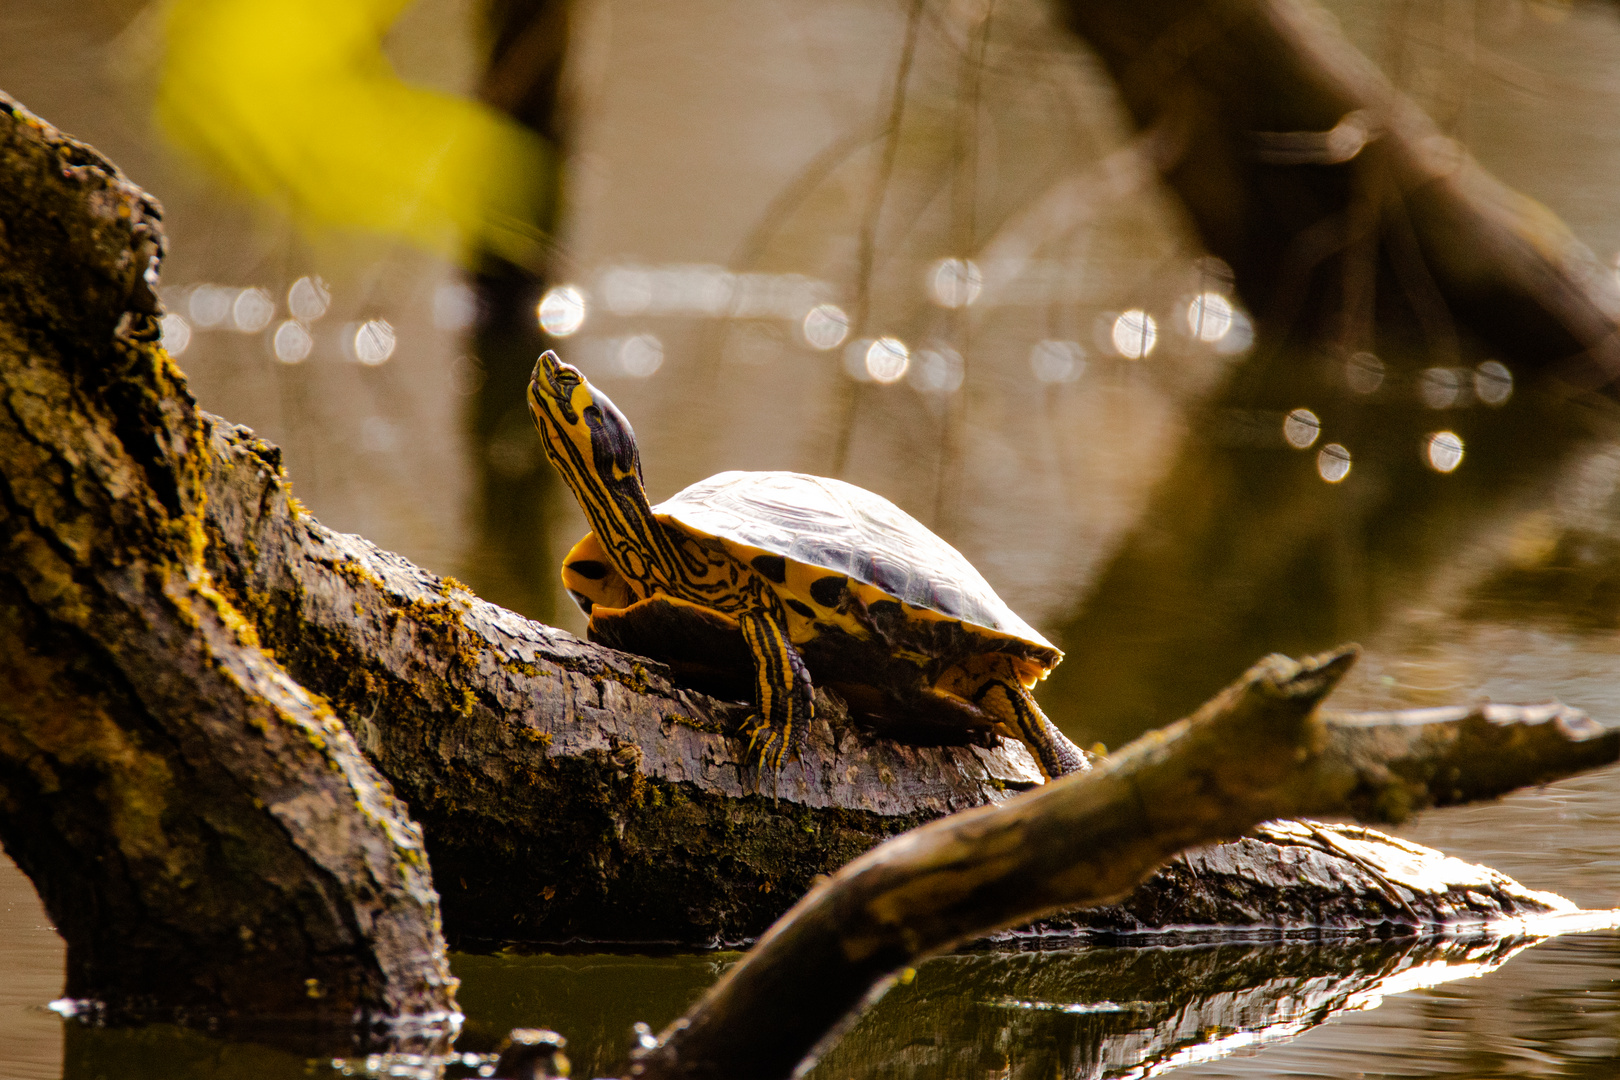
820, 522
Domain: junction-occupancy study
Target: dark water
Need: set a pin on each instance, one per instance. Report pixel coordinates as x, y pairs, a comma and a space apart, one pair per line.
1473, 1008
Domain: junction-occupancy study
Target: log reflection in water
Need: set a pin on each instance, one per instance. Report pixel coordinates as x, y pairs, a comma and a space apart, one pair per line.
1135, 1012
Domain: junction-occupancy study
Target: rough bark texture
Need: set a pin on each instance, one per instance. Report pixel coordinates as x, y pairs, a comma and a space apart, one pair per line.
1258, 751
204, 833
1304, 877
567, 791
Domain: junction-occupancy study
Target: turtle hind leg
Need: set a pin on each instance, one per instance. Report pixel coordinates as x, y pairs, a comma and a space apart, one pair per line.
782, 692
1012, 703
996, 689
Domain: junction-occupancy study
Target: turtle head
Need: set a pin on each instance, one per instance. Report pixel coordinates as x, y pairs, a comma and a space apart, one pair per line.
585, 435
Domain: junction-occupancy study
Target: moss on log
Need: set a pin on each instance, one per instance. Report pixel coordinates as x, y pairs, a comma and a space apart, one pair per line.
568, 792
203, 831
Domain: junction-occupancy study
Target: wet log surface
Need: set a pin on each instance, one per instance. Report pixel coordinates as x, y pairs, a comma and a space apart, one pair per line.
569, 792
204, 832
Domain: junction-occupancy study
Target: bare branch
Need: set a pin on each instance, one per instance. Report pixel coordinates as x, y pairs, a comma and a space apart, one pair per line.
1259, 750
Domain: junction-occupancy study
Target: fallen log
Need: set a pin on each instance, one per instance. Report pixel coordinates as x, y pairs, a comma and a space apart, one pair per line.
1260, 750
1304, 168
568, 792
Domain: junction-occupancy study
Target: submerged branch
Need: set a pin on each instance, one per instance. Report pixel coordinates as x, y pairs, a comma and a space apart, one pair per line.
1259, 750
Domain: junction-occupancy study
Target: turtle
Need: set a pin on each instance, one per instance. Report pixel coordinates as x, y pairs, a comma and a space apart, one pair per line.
769, 580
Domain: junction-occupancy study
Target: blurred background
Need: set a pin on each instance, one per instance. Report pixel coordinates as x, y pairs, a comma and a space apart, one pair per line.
915, 244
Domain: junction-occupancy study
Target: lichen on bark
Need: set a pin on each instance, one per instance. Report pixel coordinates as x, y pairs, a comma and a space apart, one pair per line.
203, 831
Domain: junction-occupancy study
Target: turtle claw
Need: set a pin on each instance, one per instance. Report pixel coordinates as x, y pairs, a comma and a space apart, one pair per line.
768, 753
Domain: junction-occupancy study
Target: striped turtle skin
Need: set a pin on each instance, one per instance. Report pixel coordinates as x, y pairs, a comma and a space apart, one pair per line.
766, 584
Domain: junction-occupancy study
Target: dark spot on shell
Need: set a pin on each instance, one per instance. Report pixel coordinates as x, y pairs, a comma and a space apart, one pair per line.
802, 608
828, 591
582, 600
884, 610
772, 566
589, 568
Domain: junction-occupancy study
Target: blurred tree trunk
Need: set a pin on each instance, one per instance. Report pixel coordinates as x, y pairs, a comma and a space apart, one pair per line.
517, 569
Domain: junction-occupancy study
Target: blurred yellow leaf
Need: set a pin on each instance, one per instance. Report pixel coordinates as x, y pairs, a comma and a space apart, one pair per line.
296, 101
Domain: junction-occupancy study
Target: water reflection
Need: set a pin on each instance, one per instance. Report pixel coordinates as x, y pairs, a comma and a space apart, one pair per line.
1065, 1012
561, 311
1137, 1012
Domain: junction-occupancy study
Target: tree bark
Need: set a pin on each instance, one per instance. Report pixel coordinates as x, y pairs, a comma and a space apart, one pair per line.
1260, 750
568, 791
204, 833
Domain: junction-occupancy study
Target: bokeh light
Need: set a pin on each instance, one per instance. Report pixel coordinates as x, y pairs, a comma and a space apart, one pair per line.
641, 356
292, 342
1057, 361
1444, 451
455, 306
374, 342
825, 327
176, 333
1135, 333
308, 299
1209, 317
1493, 383
252, 310
561, 311
955, 283
1301, 428
1440, 387
887, 359
1364, 373
1333, 463
210, 305
937, 369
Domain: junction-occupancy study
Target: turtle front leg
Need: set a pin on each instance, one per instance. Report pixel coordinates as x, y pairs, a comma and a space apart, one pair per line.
782, 693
